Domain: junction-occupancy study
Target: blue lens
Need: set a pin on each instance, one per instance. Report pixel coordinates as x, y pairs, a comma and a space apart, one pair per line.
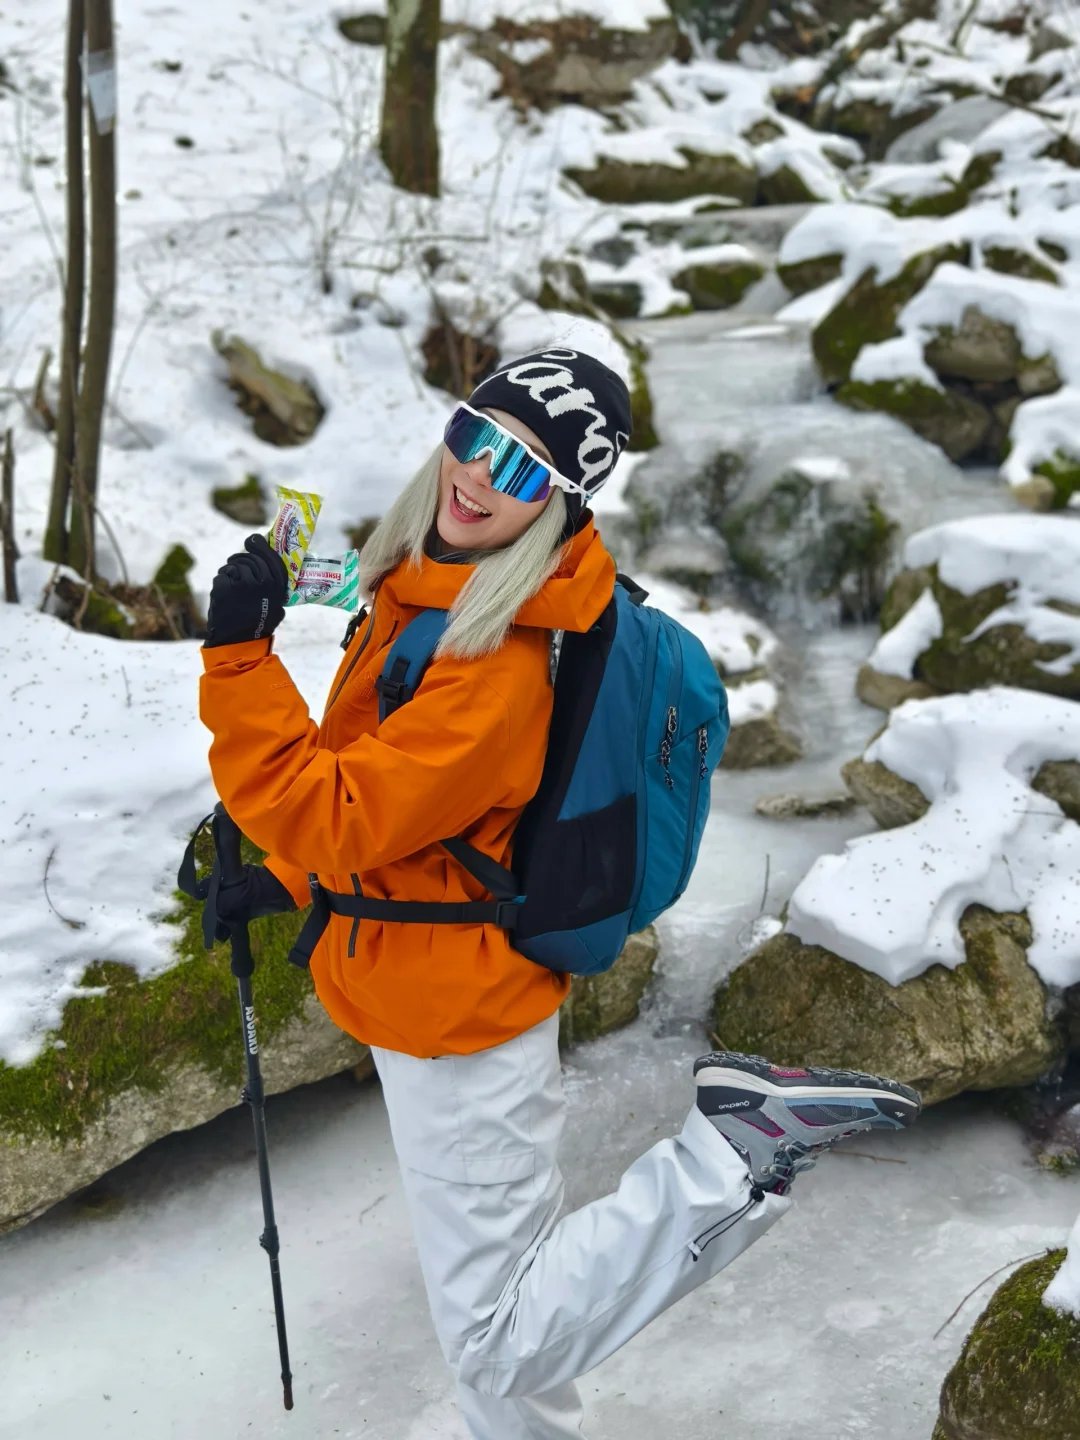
513, 470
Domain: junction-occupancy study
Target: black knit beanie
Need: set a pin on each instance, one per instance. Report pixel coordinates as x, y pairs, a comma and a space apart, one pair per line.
577, 406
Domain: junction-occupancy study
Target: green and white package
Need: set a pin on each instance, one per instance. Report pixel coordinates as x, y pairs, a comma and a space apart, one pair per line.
329, 582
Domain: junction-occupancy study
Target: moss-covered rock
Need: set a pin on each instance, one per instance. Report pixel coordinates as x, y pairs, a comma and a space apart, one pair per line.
283, 411
802, 276
980, 348
949, 418
946, 199
760, 742
621, 299
1062, 472
719, 285
979, 1027
817, 538
866, 314
1038, 376
1018, 1376
885, 692
1002, 655
891, 800
599, 1003
245, 503
627, 182
1059, 780
146, 1057
1008, 260
785, 186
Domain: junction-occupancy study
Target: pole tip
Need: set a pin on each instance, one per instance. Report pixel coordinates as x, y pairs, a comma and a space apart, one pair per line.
288, 1394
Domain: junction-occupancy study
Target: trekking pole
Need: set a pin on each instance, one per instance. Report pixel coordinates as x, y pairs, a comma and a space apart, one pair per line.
227, 845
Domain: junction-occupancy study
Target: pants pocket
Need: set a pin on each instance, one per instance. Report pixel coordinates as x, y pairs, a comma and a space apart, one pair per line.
476, 1119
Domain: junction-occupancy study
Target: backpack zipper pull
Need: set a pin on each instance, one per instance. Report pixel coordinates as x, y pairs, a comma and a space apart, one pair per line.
666, 744
703, 749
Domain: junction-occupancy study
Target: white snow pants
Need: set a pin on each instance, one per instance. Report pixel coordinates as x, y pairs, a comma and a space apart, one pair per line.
523, 1301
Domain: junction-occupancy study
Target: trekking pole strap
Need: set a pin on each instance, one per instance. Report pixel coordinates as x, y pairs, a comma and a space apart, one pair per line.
501, 912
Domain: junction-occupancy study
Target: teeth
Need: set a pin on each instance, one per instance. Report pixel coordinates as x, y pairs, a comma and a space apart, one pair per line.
467, 504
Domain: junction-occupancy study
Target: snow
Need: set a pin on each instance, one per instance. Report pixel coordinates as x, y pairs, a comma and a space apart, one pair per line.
892, 901
735, 640
1063, 1292
899, 648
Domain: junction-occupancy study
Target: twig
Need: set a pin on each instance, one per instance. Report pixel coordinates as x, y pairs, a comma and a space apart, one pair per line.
1007, 1266
71, 924
42, 409
765, 892
169, 621
716, 1039
865, 1155
7, 521
127, 687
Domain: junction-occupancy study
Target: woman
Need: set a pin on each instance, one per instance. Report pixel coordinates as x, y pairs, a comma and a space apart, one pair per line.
463, 1028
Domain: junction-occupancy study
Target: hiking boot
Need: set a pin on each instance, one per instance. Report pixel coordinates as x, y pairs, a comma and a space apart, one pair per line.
779, 1117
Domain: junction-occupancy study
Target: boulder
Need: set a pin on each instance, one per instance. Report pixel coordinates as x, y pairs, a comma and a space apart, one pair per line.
980, 348
981, 1026
719, 285
760, 741
867, 312
891, 800
599, 1003
283, 411
885, 692
143, 1058
1008, 260
1054, 483
949, 418
1018, 1376
630, 182
803, 807
246, 503
812, 534
1003, 654
802, 276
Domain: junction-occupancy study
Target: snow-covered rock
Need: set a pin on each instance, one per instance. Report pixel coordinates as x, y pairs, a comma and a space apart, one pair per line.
1019, 1373
991, 600
892, 902
980, 1026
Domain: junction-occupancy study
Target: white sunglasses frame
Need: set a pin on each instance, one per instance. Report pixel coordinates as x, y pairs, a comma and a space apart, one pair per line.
557, 479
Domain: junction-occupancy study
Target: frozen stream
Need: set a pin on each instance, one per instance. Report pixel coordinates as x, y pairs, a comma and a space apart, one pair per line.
142, 1309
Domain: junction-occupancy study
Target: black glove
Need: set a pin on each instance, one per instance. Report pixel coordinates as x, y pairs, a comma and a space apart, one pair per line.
247, 598
259, 893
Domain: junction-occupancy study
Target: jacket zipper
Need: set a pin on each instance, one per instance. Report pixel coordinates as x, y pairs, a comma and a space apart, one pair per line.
352, 663
701, 769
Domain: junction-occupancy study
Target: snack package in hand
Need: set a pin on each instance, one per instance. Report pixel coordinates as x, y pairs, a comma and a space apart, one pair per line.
329, 582
294, 525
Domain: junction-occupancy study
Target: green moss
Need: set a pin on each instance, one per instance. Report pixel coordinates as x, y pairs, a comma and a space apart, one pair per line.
946, 201
104, 616
1053, 249
1063, 472
806, 275
902, 595
621, 182
785, 186
620, 298
171, 577
867, 313
1007, 260
1018, 1377
643, 434
135, 1033
980, 169
949, 418
717, 287
246, 503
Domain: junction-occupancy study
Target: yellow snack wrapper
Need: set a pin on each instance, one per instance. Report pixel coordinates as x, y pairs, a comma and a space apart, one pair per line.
294, 525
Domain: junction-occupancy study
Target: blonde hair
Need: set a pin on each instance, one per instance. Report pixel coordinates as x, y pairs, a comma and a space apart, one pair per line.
503, 580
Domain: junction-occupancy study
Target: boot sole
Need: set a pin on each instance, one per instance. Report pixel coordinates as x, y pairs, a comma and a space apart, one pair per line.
753, 1073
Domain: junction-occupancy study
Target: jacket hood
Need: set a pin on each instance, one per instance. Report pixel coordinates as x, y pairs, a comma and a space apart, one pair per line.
573, 598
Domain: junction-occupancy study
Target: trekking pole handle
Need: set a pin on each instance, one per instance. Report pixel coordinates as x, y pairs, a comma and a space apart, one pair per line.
227, 839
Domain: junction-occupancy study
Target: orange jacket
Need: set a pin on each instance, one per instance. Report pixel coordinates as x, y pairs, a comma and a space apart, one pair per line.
350, 797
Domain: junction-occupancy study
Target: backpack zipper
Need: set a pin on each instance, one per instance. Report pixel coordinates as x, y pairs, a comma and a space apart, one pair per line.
674, 687
701, 770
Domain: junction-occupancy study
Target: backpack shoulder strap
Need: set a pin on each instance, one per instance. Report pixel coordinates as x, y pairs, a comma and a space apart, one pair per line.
409, 657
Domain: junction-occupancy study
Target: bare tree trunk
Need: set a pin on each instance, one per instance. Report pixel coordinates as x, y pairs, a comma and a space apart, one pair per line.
7, 520
101, 85
752, 13
56, 527
409, 139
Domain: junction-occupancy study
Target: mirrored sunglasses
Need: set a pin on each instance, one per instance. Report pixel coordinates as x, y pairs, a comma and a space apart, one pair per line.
514, 469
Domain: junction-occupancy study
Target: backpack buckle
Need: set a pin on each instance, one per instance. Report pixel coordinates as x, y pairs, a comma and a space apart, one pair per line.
394, 692
507, 912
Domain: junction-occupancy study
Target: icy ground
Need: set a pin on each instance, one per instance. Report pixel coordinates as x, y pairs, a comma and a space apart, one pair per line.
145, 1309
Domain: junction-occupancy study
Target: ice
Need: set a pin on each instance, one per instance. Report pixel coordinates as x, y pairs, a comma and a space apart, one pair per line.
144, 1309
892, 902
